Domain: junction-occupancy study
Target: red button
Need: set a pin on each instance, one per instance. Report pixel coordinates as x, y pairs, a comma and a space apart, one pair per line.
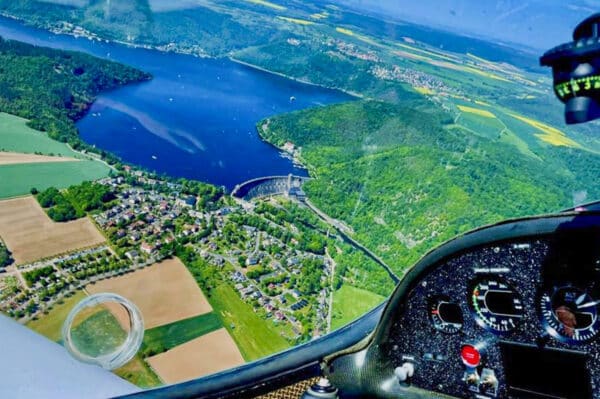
470, 356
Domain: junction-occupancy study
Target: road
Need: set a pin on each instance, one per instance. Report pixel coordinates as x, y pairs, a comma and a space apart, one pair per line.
343, 230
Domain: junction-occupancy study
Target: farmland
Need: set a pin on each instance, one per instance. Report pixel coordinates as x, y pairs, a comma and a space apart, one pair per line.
29, 158
98, 334
12, 158
208, 354
349, 303
254, 337
168, 336
165, 292
16, 136
30, 235
19, 179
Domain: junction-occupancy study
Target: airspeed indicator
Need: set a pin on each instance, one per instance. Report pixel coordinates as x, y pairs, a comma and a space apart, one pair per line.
496, 305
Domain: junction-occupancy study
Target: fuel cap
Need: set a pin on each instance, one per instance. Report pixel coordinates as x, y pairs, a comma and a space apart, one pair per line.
104, 329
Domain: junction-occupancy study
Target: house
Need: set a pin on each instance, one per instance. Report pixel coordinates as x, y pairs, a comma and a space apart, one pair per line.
190, 201
251, 261
279, 315
132, 254
147, 248
289, 147
296, 294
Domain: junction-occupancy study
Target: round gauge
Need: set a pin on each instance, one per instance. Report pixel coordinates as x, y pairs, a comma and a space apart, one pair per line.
496, 305
570, 315
445, 316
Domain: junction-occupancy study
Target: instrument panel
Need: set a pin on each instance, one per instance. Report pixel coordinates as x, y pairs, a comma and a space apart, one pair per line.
468, 321
514, 318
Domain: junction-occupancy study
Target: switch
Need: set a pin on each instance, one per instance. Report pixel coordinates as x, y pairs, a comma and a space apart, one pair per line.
404, 372
471, 378
489, 382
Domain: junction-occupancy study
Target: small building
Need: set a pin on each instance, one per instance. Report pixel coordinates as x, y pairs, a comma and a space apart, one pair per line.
147, 248
132, 255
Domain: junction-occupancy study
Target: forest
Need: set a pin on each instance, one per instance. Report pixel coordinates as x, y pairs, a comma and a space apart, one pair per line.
405, 182
75, 202
71, 82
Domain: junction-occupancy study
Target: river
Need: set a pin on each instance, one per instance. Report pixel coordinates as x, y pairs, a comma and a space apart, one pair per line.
196, 118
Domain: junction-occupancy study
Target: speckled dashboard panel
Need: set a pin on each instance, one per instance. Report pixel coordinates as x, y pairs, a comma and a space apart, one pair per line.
527, 267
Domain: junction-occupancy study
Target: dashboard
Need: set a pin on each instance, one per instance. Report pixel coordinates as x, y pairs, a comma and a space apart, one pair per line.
510, 311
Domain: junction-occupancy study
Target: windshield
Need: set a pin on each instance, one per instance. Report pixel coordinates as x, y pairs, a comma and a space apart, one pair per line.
254, 174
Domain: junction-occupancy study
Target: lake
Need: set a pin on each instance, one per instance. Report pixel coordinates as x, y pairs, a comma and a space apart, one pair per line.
196, 118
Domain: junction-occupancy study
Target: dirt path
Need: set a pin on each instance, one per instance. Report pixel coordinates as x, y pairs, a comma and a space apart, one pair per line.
13, 158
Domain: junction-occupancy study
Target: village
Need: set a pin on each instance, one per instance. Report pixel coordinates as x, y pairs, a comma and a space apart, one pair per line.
269, 262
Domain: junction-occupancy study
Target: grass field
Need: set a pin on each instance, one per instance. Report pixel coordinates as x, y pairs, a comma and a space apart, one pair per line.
139, 373
16, 136
350, 302
19, 179
30, 234
255, 337
99, 334
168, 336
50, 325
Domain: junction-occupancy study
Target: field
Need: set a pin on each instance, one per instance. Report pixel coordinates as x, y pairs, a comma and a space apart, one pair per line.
165, 292
168, 336
267, 4
16, 136
548, 134
297, 21
255, 337
138, 373
19, 179
20, 172
350, 302
98, 334
10, 158
31, 235
477, 111
208, 354
50, 325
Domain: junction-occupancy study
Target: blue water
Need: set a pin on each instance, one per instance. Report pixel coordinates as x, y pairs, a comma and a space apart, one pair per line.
195, 119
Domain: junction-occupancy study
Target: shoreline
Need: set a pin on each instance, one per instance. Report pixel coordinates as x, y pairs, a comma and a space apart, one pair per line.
306, 82
160, 48
297, 160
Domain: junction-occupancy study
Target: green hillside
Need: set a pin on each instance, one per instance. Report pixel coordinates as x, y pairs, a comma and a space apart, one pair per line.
70, 83
406, 182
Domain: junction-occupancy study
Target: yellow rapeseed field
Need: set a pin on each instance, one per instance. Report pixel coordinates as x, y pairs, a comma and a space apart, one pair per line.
345, 31
476, 111
297, 21
549, 134
267, 4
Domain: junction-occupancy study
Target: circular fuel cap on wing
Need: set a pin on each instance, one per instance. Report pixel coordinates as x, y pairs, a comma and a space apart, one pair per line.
104, 329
